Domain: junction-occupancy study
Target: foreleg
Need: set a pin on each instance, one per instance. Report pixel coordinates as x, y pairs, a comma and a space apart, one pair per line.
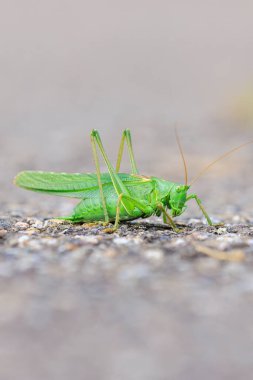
194, 196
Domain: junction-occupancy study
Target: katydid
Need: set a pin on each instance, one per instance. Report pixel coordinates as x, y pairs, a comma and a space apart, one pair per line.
113, 196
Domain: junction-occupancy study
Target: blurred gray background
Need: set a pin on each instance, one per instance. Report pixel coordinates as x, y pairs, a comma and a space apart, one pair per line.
67, 67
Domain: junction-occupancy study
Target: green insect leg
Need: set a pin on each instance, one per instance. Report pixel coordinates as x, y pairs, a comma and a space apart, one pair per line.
125, 199
146, 209
167, 218
119, 186
95, 155
126, 136
194, 196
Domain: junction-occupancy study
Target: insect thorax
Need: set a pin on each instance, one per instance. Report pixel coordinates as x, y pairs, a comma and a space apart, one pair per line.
163, 188
172, 195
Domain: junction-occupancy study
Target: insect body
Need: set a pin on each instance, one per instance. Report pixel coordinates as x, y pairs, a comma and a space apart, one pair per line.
114, 196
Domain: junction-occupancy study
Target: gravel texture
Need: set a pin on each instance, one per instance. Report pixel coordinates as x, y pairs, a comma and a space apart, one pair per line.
142, 303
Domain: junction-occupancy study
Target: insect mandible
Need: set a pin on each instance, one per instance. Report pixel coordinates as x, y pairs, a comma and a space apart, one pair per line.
114, 196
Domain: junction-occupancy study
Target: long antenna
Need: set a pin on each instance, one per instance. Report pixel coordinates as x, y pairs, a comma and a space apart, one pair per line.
218, 159
183, 158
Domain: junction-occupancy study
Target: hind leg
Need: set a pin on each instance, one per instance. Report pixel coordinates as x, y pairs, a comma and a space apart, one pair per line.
126, 136
143, 207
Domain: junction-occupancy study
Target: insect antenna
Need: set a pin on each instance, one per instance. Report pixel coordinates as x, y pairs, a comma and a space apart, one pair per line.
183, 158
224, 155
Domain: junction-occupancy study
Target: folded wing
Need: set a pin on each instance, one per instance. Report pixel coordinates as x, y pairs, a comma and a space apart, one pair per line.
72, 185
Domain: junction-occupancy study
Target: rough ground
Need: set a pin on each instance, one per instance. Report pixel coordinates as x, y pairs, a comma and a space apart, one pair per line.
142, 303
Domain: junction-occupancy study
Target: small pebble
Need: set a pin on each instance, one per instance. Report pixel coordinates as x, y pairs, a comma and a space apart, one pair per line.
4, 224
2, 233
38, 224
221, 230
21, 225
31, 231
53, 223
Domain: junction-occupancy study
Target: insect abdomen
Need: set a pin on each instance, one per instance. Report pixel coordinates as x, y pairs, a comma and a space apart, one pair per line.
91, 209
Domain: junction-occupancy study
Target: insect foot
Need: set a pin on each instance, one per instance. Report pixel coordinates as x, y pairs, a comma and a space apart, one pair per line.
178, 230
218, 225
110, 230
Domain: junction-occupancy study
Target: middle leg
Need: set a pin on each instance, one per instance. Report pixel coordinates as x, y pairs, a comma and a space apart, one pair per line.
142, 206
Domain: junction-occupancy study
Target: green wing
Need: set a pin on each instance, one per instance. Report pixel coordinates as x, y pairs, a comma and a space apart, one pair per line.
64, 184
73, 185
